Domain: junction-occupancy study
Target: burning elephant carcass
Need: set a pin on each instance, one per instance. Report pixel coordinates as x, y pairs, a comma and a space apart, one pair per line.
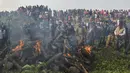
11, 59
82, 60
25, 55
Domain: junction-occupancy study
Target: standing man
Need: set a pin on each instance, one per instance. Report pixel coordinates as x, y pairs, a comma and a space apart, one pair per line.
53, 28
1, 37
120, 32
5, 33
127, 39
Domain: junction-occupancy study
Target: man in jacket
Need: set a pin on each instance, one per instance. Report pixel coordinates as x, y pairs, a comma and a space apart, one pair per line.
120, 32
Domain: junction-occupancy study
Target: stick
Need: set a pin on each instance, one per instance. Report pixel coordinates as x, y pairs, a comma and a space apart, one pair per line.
85, 71
54, 57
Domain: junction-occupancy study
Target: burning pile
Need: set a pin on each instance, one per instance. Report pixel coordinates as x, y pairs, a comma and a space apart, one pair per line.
19, 47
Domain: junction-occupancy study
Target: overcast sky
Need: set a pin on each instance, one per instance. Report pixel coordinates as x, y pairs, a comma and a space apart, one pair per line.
66, 4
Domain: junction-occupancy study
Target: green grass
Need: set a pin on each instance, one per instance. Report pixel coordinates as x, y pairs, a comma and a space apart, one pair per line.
107, 61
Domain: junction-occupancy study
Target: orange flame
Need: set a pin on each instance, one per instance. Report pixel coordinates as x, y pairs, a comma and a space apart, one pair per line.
68, 54
38, 47
88, 49
19, 47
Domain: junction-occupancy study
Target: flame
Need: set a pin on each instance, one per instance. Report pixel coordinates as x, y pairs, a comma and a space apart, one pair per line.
38, 47
88, 49
68, 54
19, 47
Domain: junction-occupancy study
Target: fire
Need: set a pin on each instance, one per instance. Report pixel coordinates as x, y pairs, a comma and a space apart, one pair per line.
88, 49
68, 54
19, 47
38, 47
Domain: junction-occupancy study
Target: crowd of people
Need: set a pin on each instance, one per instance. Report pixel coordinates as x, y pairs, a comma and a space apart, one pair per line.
77, 26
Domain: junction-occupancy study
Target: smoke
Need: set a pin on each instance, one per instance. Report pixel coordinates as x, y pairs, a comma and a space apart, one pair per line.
9, 4
17, 30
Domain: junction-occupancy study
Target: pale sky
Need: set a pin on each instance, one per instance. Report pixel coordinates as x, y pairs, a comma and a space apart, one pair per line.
66, 4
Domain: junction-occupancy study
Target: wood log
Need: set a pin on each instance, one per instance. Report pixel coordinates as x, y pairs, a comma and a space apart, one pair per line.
85, 71
3, 52
16, 64
54, 58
